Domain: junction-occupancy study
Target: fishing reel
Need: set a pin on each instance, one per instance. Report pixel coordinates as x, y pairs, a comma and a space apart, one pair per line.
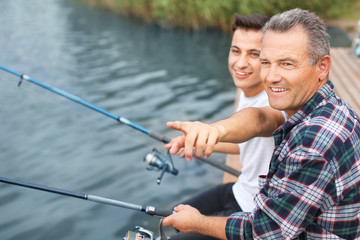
139, 233
159, 162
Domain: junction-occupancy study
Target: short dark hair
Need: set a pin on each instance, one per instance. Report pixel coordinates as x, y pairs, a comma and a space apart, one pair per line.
249, 22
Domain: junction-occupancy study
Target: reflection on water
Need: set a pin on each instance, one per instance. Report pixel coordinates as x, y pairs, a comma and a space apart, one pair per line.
142, 72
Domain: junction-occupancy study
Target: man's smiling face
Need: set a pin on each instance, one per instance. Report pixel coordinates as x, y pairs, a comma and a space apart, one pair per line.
289, 79
243, 61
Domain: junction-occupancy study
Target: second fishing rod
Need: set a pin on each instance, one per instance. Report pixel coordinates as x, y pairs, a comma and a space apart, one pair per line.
120, 119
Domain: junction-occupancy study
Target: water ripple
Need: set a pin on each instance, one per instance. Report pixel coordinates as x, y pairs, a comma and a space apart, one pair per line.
144, 73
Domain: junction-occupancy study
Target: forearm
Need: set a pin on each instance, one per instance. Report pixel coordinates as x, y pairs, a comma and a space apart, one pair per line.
213, 226
249, 123
242, 126
229, 148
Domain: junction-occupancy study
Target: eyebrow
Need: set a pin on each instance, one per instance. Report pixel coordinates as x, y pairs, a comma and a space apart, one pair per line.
262, 59
249, 50
286, 59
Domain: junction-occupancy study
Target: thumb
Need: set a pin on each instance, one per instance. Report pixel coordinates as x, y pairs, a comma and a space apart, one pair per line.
167, 221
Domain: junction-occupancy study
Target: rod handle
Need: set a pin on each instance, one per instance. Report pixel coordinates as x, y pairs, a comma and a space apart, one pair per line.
156, 212
163, 213
159, 137
221, 166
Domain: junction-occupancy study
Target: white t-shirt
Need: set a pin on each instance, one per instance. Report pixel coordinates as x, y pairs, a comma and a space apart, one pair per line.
255, 156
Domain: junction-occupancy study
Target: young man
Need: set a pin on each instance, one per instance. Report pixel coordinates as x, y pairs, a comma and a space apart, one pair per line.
312, 188
255, 154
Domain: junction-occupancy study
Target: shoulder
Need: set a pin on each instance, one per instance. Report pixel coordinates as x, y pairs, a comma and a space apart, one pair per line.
334, 115
331, 124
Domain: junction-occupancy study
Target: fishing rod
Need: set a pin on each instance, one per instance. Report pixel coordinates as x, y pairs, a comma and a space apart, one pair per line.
151, 210
120, 119
131, 235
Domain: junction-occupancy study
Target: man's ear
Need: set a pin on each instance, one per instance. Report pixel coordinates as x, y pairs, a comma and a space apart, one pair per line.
324, 65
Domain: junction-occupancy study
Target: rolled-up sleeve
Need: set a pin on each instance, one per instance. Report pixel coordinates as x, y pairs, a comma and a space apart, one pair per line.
239, 226
286, 206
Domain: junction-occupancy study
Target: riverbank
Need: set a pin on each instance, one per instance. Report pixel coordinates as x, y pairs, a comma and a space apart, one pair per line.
202, 14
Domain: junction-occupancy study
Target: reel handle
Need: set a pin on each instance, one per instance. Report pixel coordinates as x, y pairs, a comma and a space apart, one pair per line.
163, 170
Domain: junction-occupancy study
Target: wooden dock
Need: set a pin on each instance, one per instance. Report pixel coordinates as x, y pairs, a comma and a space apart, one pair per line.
344, 74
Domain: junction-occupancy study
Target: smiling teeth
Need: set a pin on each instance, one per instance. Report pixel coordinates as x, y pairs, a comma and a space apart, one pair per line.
243, 74
278, 89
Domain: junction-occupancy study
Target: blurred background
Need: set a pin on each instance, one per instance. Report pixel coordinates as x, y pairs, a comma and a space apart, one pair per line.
207, 14
148, 61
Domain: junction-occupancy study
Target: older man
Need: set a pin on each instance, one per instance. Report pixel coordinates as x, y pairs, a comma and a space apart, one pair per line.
312, 188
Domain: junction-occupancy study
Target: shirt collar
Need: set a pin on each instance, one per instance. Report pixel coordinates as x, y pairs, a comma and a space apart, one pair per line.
323, 93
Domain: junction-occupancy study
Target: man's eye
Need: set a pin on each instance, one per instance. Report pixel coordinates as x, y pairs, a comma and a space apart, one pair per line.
288, 65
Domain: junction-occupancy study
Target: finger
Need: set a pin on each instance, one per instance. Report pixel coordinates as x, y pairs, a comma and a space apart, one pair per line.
189, 145
212, 140
200, 144
175, 144
167, 221
167, 146
181, 152
174, 140
174, 149
177, 125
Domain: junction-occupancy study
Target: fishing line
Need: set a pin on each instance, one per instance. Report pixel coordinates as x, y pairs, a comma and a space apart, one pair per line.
120, 119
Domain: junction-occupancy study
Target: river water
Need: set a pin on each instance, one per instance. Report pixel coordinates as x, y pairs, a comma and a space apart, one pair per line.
142, 72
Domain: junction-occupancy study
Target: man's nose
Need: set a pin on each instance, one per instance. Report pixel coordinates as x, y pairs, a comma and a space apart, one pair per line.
242, 62
272, 74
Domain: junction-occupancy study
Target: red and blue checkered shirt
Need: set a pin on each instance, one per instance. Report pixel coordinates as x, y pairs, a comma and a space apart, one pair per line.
312, 188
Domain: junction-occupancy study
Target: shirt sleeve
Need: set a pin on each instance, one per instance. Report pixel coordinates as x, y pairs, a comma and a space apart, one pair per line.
302, 187
239, 226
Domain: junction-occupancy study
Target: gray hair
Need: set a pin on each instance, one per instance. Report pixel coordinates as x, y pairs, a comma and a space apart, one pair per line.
314, 26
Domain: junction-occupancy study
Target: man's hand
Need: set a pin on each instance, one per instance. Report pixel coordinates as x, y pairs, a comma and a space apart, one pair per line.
185, 219
189, 220
175, 146
196, 135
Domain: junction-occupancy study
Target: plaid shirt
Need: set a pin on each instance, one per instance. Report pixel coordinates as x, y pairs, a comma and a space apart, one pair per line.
312, 188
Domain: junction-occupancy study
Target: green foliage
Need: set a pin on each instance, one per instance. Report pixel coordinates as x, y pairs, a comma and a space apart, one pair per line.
197, 14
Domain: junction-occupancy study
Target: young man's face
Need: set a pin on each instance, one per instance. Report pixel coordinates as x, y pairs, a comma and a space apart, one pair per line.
243, 61
289, 79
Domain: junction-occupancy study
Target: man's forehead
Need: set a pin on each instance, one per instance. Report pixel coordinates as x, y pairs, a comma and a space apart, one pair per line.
247, 35
284, 44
